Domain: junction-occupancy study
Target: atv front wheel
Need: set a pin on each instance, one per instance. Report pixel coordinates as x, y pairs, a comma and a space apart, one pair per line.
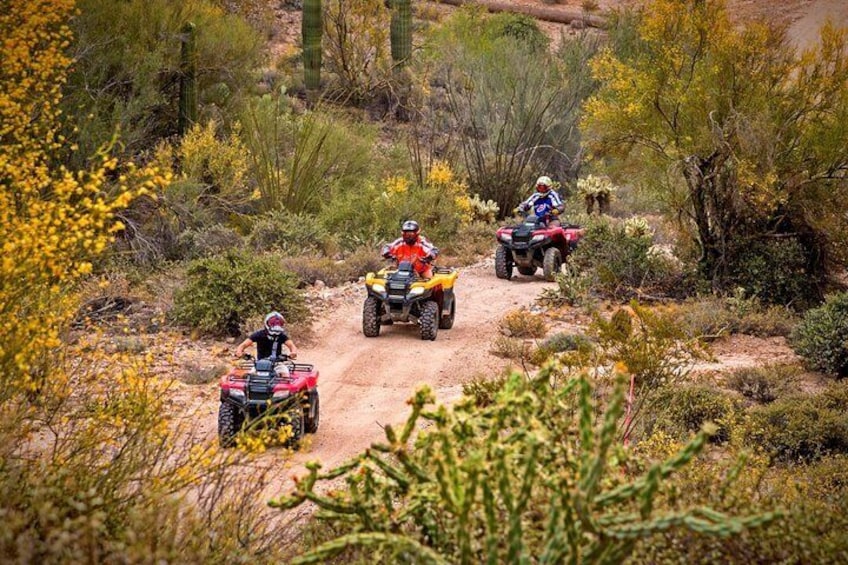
429, 320
446, 322
552, 263
230, 420
311, 413
371, 317
503, 263
296, 422
527, 271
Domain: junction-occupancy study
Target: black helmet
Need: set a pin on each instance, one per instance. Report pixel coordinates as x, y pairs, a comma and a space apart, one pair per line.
410, 231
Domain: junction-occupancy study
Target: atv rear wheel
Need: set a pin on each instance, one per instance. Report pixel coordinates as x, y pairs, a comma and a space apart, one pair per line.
503, 263
527, 271
446, 322
371, 317
230, 420
552, 265
429, 320
311, 413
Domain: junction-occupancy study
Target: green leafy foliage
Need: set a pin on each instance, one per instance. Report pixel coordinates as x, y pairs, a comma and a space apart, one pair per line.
488, 66
221, 293
774, 271
127, 69
801, 427
530, 476
822, 336
765, 384
622, 265
293, 234
682, 410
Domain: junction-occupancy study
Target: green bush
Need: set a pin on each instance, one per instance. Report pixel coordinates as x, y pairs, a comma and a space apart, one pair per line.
801, 427
309, 269
713, 317
619, 265
822, 336
221, 293
482, 389
293, 234
765, 384
682, 410
775, 271
126, 72
207, 242
559, 343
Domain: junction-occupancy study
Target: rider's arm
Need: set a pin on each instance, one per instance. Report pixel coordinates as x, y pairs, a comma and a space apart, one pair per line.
292, 348
556, 201
242, 346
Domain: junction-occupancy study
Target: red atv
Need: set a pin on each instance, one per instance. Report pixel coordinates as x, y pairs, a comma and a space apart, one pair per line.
275, 389
533, 244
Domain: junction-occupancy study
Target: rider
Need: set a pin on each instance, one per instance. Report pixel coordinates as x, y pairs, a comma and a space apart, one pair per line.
544, 201
413, 247
270, 339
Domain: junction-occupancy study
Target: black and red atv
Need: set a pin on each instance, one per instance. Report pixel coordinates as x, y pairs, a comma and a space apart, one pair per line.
275, 390
533, 244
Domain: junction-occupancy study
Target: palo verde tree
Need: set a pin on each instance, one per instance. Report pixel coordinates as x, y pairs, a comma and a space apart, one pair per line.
754, 134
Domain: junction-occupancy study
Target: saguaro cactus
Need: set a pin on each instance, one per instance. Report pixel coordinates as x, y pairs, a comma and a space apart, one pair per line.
401, 31
188, 79
312, 29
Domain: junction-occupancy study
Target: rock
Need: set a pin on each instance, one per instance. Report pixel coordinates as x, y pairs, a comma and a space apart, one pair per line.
319, 285
231, 339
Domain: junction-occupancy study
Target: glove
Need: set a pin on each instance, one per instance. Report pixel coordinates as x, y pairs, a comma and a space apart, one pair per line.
555, 212
246, 356
516, 211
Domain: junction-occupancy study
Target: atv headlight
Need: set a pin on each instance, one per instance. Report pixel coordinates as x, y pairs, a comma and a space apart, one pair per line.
378, 288
538, 238
281, 394
236, 393
506, 237
416, 291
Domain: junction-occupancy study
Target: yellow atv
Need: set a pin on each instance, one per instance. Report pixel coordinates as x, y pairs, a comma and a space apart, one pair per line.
400, 295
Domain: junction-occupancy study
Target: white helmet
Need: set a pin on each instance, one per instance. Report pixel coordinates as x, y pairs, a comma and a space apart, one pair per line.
544, 184
274, 323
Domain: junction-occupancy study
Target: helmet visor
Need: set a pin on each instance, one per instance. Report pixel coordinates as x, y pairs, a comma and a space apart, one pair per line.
410, 237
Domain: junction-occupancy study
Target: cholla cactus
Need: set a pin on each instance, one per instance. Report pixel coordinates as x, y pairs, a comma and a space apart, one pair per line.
596, 189
483, 210
637, 226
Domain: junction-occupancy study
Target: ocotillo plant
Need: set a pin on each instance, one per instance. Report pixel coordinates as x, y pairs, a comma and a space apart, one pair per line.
401, 31
188, 79
530, 477
312, 28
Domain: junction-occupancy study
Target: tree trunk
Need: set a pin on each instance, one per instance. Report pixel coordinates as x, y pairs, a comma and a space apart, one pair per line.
556, 15
714, 210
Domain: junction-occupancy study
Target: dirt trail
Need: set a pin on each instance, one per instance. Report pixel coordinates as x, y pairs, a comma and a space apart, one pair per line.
365, 382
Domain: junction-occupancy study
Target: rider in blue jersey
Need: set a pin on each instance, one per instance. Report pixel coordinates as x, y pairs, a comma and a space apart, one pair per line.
545, 202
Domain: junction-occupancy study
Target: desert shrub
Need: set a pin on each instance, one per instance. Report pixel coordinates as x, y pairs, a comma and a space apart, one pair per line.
572, 289
775, 271
620, 265
299, 160
801, 427
520, 27
764, 384
511, 348
821, 337
472, 241
812, 500
533, 475
309, 269
221, 293
523, 324
482, 389
683, 410
712, 317
293, 234
208, 242
361, 261
559, 343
